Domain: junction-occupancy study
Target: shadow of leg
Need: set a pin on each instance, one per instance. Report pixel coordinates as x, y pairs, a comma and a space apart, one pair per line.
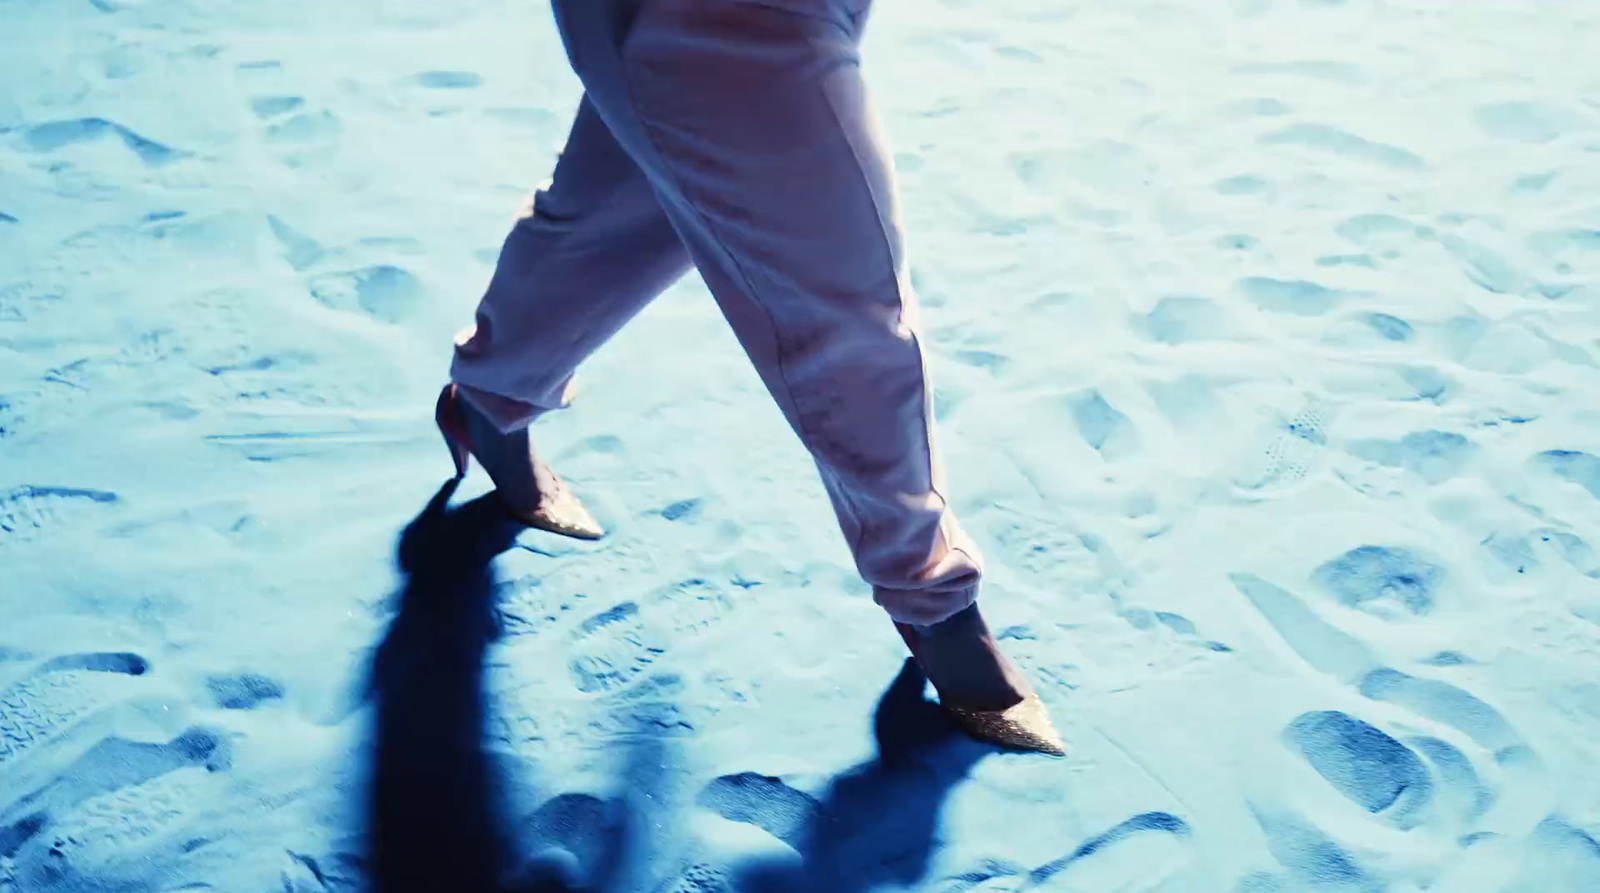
434, 822
875, 824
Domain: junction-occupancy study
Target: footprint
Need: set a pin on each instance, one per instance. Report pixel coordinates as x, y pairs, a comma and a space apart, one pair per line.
1380, 579
1315, 859
1489, 270
1189, 400
384, 292
8, 218
1559, 856
1523, 122
55, 135
116, 763
1293, 447
1580, 468
1102, 427
448, 80
1238, 242
246, 691
1460, 792
1256, 108
1345, 145
1369, 230
306, 127
1348, 260
698, 878
273, 106
1260, 882
300, 250
1183, 320
689, 509
993, 363
1367, 766
48, 702
1578, 553
1427, 382
1293, 296
611, 649
1392, 328
1242, 185
121, 825
29, 512
762, 801
581, 824
1045, 551
686, 610
1329, 650
112, 802
1434, 456
1444, 703
1069, 868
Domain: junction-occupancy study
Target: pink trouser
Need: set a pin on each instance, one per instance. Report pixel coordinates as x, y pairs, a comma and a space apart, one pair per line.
736, 136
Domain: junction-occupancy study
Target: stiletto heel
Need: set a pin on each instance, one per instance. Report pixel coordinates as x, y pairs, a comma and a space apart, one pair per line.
1024, 726
453, 428
559, 511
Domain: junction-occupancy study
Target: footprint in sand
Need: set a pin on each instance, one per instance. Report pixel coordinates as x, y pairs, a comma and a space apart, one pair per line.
386, 293
1391, 328
1367, 766
305, 127
1574, 549
613, 648
1578, 467
123, 804
246, 691
47, 703
29, 512
1490, 270
1296, 297
1460, 792
1142, 853
1102, 426
1343, 144
765, 802
1444, 703
578, 826
447, 80
1523, 122
1558, 856
1382, 580
1293, 447
1346, 658
299, 249
1185, 320
53, 136
1313, 860
265, 107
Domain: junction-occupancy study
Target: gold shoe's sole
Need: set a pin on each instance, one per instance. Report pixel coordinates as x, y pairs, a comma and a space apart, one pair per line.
1025, 727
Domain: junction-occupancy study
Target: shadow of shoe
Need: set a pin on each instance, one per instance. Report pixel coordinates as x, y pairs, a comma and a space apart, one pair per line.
435, 819
875, 824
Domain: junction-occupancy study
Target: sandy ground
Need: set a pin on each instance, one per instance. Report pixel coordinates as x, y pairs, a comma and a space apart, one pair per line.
1267, 344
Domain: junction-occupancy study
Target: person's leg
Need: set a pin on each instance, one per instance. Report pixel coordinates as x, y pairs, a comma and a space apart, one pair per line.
755, 126
590, 252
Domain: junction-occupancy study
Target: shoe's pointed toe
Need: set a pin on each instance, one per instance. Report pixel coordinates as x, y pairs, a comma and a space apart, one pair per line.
1024, 727
563, 513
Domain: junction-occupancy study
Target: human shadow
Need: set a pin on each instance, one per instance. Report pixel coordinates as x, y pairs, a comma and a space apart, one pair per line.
437, 819
876, 824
